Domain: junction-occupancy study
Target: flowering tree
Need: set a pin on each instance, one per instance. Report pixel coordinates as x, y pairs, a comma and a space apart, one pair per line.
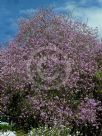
47, 73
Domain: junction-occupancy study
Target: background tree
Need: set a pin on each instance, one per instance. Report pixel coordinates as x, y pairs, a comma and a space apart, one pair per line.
29, 96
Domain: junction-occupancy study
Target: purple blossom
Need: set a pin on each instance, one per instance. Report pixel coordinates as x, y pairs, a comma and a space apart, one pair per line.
72, 51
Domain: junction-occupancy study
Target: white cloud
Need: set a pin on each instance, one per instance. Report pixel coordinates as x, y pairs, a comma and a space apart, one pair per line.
94, 17
99, 1
93, 14
27, 11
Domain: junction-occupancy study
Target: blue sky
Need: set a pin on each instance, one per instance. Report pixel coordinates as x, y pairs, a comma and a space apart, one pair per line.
12, 10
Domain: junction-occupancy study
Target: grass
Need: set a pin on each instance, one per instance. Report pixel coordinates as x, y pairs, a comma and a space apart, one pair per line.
5, 127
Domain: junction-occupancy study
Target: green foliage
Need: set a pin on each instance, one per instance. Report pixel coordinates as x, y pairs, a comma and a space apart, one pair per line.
5, 127
99, 75
98, 89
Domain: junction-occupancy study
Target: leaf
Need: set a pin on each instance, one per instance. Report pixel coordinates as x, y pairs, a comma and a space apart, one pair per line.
99, 74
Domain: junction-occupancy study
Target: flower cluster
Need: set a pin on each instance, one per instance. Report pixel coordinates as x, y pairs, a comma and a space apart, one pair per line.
88, 111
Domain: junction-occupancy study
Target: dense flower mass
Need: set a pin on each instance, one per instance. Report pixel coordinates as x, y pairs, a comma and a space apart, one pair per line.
88, 110
48, 71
